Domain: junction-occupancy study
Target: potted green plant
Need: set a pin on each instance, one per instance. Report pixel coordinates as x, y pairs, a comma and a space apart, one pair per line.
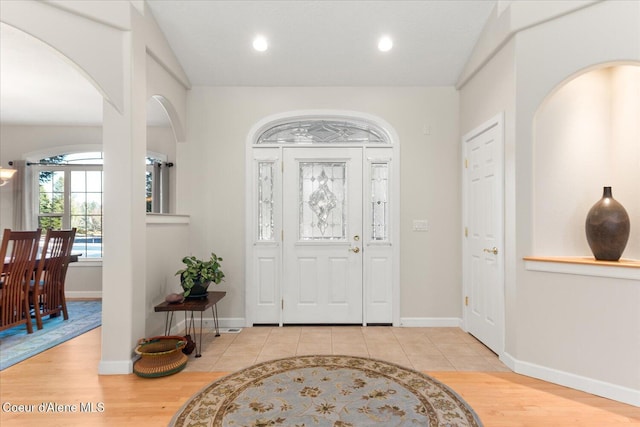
198, 274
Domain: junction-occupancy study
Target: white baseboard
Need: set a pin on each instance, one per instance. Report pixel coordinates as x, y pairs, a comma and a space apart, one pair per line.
589, 385
508, 360
431, 322
232, 322
207, 323
240, 322
116, 367
83, 294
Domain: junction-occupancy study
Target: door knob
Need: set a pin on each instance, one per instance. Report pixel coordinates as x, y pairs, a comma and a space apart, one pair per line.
355, 250
493, 250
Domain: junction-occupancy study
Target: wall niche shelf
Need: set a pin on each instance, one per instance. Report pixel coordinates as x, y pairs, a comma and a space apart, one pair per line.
154, 218
585, 266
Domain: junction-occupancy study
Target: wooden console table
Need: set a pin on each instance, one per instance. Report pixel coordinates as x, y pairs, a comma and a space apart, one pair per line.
192, 305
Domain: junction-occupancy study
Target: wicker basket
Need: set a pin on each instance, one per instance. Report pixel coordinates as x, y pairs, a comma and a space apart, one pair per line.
160, 356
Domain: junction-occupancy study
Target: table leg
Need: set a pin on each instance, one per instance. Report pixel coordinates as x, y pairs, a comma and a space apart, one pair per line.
198, 347
214, 312
190, 328
168, 321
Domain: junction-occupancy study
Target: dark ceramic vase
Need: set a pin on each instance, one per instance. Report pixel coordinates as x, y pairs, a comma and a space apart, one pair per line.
607, 227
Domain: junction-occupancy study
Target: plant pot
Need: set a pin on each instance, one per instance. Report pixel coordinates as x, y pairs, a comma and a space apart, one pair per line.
199, 290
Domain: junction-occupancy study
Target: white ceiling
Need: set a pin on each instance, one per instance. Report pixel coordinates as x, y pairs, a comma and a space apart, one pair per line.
312, 43
322, 43
38, 86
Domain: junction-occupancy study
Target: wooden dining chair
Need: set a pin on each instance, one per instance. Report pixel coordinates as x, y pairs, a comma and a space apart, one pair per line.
47, 287
19, 251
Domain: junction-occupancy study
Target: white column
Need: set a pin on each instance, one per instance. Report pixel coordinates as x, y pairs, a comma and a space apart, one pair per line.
123, 271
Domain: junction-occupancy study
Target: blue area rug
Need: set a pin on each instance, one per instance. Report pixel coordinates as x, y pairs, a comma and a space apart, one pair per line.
337, 391
16, 345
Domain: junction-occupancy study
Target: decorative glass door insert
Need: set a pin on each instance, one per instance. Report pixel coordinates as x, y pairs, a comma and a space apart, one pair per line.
379, 201
323, 131
265, 201
322, 200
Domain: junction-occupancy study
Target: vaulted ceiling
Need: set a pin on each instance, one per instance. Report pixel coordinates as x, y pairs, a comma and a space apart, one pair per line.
311, 43
322, 43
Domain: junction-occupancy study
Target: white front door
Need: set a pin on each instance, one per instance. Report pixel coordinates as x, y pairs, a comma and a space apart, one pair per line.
322, 235
484, 256
322, 226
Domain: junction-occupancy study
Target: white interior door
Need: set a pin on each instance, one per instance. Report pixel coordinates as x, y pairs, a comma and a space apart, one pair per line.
484, 258
322, 235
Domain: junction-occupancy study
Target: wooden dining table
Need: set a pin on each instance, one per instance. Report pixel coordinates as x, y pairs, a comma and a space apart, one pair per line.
72, 258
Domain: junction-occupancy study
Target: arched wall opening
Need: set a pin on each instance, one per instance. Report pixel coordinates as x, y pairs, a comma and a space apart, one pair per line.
586, 135
51, 105
161, 154
118, 73
161, 112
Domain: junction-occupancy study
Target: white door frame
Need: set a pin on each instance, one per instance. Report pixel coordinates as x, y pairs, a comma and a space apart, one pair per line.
273, 262
497, 122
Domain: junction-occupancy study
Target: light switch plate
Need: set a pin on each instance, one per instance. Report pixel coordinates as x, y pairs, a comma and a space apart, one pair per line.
420, 225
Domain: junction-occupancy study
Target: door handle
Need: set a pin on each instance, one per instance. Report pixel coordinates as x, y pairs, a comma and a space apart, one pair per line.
355, 250
493, 250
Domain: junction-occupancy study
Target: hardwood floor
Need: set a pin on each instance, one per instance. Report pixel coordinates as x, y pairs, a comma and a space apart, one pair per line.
67, 375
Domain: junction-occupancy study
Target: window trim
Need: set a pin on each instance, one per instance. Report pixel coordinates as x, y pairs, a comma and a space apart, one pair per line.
157, 188
66, 215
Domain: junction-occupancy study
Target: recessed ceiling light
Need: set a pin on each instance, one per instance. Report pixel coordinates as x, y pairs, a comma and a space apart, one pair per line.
260, 43
385, 44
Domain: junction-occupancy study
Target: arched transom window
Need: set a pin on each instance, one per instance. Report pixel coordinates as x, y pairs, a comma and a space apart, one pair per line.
324, 131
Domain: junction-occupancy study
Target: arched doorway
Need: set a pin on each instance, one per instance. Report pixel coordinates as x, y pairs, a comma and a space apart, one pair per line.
322, 220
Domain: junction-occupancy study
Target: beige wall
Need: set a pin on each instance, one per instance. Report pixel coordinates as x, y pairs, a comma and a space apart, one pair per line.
166, 242
212, 183
566, 328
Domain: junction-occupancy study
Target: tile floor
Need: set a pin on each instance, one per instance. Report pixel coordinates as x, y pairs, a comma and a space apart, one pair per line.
422, 349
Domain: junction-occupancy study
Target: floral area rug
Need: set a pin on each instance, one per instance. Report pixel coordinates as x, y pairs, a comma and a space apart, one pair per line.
337, 391
16, 345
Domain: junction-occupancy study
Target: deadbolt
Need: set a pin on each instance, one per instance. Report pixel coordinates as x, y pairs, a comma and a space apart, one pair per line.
356, 238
